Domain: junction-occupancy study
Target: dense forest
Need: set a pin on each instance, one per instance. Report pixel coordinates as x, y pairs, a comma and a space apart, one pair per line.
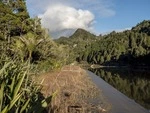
23, 37
127, 48
26, 49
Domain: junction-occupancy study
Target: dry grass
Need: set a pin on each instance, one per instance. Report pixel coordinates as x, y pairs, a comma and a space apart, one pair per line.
75, 92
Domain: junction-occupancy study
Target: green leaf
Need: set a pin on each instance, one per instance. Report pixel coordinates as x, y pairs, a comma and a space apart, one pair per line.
12, 103
18, 86
12, 84
14, 100
46, 101
4, 67
5, 110
25, 105
1, 95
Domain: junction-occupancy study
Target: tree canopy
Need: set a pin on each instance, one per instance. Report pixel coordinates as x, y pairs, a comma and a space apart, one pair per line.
117, 48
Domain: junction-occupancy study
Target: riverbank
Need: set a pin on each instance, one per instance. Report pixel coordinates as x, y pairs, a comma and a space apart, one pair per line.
75, 92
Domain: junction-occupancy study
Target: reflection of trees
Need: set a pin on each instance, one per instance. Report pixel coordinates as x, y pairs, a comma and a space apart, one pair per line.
133, 84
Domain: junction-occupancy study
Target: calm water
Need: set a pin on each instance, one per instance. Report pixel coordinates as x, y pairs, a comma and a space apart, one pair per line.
133, 83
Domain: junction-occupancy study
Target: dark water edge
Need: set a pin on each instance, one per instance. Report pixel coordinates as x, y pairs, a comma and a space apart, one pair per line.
134, 83
120, 103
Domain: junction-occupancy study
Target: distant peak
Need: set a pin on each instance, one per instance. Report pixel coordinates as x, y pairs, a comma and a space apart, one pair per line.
82, 34
80, 30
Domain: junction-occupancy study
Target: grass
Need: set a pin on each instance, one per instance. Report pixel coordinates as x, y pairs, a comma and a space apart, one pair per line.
75, 91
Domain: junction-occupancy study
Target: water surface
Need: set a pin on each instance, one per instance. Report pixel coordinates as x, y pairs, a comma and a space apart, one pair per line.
134, 83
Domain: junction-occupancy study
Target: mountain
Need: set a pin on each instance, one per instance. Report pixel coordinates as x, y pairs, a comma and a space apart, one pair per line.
79, 36
130, 47
82, 34
72, 33
78, 42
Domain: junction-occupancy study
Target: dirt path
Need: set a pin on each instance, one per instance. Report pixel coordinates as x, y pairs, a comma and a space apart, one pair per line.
75, 92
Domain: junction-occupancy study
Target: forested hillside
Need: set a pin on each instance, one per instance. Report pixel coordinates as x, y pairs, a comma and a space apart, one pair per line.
78, 43
130, 47
26, 49
23, 37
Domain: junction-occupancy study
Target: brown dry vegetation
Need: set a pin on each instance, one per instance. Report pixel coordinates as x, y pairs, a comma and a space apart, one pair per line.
75, 92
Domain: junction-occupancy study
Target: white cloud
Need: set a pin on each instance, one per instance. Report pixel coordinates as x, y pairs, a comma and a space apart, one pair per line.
59, 17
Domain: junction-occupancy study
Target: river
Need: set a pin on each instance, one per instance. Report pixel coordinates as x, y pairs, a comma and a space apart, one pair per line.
134, 84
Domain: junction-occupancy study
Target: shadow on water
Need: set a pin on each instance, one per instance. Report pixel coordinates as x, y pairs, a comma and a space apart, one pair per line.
133, 83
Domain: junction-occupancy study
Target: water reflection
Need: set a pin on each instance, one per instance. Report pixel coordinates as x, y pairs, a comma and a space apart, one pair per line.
133, 83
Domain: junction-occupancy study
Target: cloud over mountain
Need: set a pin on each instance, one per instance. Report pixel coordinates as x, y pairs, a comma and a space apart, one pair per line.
63, 15
59, 17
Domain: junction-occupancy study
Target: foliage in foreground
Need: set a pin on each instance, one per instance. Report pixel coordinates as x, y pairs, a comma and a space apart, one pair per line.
25, 48
18, 93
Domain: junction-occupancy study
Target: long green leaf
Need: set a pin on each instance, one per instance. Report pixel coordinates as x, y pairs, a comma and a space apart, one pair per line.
12, 84
14, 100
1, 95
12, 103
18, 86
5, 110
4, 67
25, 105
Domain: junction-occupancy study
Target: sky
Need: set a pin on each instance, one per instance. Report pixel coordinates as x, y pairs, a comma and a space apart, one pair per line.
62, 17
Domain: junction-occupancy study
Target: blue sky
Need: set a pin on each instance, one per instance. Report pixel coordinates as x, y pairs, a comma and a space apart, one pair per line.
97, 16
128, 14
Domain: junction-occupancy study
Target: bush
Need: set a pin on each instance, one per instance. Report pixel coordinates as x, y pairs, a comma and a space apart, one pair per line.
18, 93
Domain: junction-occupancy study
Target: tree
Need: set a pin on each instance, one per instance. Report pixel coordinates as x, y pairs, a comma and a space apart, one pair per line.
13, 16
31, 43
132, 40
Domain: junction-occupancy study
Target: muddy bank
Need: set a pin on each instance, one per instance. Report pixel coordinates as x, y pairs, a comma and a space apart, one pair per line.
119, 102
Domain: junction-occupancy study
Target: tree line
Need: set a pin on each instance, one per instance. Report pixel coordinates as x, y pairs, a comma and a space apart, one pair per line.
130, 47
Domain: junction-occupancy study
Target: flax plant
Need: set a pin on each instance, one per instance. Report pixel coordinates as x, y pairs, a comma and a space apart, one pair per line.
18, 94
